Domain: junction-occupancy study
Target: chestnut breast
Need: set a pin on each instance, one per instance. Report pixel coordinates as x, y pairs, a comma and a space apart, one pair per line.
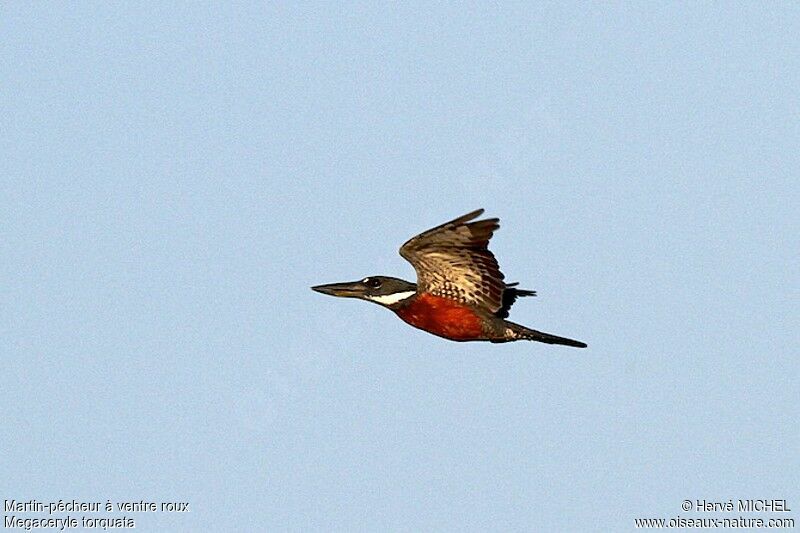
442, 316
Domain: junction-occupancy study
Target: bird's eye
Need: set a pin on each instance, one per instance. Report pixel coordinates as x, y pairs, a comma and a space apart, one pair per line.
372, 282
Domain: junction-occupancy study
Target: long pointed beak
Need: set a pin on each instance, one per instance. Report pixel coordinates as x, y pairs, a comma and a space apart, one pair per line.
344, 290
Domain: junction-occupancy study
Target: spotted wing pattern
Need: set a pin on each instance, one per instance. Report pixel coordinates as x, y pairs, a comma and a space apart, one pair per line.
452, 261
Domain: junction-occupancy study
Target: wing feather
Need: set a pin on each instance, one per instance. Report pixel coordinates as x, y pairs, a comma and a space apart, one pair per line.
452, 260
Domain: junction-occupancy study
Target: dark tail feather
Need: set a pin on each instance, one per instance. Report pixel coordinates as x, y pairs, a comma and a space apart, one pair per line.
521, 332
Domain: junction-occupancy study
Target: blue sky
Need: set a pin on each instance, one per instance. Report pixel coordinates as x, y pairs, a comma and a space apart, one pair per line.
175, 177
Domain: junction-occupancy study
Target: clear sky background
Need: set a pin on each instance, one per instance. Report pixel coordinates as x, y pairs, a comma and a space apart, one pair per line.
174, 177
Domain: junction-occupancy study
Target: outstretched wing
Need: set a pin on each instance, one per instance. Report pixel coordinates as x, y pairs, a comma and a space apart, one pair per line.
452, 261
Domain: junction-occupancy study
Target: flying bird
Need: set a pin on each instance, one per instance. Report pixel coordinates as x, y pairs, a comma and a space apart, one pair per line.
460, 293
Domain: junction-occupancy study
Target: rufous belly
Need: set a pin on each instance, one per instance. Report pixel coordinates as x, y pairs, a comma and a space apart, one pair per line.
442, 316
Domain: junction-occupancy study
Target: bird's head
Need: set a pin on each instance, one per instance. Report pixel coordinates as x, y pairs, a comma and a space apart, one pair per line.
382, 290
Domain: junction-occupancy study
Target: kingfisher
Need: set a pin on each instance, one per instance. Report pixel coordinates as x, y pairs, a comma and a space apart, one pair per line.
460, 294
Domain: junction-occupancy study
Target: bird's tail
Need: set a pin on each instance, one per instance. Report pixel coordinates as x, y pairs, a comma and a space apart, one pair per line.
517, 332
